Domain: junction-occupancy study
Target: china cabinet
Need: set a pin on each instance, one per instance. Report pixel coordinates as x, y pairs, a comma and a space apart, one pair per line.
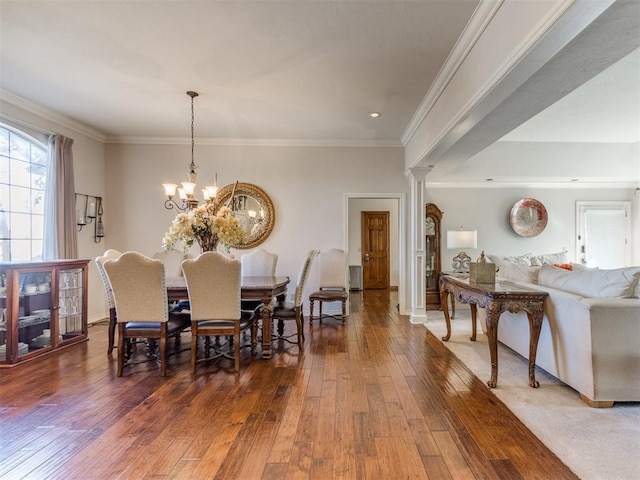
43, 307
433, 264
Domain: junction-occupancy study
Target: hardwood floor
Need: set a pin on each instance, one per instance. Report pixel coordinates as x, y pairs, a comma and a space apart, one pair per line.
377, 398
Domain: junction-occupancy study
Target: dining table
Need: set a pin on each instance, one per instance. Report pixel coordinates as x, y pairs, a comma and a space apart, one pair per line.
264, 289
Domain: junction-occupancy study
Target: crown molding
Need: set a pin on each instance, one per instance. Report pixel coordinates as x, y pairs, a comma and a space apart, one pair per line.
612, 184
52, 116
269, 142
478, 22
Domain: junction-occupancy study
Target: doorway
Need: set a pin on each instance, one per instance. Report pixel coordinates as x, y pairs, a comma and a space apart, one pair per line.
375, 250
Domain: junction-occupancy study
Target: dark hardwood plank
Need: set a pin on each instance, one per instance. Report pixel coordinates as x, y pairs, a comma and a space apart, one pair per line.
375, 397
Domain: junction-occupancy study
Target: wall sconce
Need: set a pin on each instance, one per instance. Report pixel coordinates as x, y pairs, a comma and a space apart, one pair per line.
88, 209
99, 231
462, 239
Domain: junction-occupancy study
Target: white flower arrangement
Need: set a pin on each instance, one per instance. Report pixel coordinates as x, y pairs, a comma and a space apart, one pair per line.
207, 224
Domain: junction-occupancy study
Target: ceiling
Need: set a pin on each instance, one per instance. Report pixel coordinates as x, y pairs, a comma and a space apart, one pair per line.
270, 71
303, 70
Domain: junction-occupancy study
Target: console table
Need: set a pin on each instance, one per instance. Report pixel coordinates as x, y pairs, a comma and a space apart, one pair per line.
496, 298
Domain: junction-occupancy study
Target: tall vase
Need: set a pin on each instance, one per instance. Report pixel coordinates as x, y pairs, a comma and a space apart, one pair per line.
208, 243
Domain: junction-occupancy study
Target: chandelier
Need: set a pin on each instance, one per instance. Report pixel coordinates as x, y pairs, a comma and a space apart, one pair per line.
186, 193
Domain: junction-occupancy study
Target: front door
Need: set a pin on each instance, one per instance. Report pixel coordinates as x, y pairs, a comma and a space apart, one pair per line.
375, 250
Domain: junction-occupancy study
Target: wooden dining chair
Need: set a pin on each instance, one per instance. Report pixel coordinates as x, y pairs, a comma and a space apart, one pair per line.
257, 263
334, 286
140, 296
110, 254
293, 310
213, 284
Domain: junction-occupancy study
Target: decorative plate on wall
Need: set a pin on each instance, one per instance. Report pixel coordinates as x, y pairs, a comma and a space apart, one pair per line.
528, 217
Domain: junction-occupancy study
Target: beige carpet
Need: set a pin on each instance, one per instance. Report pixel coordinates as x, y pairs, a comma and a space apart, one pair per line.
597, 444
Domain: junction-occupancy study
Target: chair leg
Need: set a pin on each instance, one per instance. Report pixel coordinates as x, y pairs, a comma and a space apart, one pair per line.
311, 311
163, 349
254, 338
236, 347
300, 328
194, 346
112, 329
121, 349
344, 310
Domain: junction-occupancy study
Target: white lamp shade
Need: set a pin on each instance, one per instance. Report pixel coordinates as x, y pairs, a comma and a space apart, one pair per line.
462, 238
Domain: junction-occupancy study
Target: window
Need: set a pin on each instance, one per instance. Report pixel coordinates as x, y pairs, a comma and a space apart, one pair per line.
23, 174
603, 233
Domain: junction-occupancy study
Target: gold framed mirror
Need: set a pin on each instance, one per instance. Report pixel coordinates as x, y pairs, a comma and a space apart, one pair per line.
253, 207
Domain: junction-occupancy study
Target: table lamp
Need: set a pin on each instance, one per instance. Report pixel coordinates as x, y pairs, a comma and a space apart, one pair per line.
462, 239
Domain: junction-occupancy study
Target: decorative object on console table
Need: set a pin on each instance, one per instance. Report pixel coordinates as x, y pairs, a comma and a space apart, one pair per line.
433, 262
528, 217
482, 271
462, 239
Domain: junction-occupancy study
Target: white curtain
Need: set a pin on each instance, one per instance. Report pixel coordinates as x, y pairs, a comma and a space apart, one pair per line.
60, 219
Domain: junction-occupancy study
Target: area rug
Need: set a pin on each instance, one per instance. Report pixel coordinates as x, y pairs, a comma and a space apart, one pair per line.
596, 444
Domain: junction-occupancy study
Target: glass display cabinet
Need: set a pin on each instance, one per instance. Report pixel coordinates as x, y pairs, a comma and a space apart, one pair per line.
43, 307
433, 264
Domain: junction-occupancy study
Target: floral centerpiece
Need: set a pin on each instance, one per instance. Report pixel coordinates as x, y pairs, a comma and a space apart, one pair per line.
207, 224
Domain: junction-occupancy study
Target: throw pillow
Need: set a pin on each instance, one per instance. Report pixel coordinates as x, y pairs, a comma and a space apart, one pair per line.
517, 260
596, 283
520, 273
566, 266
549, 258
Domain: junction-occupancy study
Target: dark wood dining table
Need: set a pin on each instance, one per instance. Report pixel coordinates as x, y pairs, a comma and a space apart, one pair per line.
264, 289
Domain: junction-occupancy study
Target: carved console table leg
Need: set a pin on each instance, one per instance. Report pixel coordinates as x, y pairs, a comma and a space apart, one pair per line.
444, 294
474, 316
535, 325
493, 315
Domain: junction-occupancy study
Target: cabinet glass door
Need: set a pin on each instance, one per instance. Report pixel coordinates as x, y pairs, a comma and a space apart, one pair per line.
34, 311
71, 309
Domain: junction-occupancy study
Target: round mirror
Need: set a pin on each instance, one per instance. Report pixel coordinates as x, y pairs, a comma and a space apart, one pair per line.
253, 207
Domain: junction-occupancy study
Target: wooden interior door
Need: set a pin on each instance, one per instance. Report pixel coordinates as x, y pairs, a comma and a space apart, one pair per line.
375, 250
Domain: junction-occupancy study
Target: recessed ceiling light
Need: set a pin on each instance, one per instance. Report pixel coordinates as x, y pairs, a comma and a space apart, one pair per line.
374, 114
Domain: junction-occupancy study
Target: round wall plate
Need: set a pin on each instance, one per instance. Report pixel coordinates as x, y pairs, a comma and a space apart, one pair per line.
528, 217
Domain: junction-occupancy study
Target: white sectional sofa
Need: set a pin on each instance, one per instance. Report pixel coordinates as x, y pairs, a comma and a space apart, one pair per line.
590, 336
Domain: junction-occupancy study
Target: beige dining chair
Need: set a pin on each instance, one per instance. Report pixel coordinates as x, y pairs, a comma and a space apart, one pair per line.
293, 310
213, 284
172, 260
257, 263
140, 296
109, 254
333, 286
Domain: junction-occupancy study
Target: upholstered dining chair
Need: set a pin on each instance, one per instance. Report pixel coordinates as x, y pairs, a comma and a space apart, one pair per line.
172, 260
293, 311
213, 284
257, 263
142, 310
110, 254
333, 282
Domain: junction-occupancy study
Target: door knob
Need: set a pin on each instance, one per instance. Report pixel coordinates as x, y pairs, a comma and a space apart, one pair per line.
366, 257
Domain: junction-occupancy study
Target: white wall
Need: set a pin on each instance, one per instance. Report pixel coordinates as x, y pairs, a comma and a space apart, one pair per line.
356, 207
89, 170
307, 186
487, 210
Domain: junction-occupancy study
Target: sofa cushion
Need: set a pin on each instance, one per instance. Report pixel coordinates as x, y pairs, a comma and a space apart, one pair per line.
520, 273
517, 260
596, 283
549, 259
